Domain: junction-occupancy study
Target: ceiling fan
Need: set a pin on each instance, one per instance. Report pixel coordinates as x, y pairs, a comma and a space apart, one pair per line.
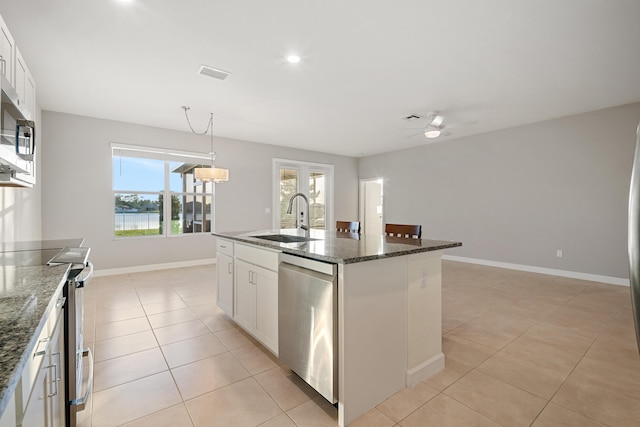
435, 126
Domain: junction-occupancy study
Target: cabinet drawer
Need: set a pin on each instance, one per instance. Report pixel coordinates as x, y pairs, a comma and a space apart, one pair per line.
40, 351
262, 257
224, 246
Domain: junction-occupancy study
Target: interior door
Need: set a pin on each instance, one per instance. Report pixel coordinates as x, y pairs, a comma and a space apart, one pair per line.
371, 202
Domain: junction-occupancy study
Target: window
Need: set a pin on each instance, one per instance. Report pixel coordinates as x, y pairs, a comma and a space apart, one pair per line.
144, 178
312, 179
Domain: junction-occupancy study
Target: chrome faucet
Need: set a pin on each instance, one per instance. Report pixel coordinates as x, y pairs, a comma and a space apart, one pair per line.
290, 208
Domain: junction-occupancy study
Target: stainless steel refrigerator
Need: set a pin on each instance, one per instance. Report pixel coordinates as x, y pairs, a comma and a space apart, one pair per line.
634, 237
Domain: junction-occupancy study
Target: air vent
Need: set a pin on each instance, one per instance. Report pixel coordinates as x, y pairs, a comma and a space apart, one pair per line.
412, 117
213, 72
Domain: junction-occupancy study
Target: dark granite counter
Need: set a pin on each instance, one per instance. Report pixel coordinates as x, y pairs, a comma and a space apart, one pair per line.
28, 288
340, 248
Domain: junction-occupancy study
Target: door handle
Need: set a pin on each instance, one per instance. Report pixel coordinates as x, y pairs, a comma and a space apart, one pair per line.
81, 402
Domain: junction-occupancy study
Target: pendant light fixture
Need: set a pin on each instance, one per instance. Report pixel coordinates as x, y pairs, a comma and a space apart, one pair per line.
212, 173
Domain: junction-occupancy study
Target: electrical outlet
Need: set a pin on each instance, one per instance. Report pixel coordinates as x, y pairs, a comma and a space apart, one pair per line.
559, 253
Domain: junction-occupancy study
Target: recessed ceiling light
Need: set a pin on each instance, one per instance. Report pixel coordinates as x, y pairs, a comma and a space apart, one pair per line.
293, 59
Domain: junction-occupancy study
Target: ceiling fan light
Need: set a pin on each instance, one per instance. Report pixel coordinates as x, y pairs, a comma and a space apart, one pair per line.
437, 120
432, 133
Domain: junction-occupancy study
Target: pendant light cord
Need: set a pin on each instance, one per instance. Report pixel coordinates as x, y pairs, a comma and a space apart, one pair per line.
209, 127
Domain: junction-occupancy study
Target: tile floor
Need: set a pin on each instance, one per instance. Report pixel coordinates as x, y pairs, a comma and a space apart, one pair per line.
522, 349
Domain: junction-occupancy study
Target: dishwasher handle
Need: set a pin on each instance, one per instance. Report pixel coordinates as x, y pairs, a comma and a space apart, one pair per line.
309, 264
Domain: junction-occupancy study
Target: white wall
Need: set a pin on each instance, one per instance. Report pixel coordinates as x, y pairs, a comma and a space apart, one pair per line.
20, 208
77, 195
517, 195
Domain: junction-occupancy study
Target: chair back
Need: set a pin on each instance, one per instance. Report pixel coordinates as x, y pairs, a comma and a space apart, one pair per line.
348, 226
403, 230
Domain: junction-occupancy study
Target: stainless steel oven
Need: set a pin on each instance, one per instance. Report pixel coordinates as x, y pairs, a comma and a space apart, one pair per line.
78, 383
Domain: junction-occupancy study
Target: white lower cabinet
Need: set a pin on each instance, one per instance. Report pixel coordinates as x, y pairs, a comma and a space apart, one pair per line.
8, 418
225, 283
224, 275
266, 282
256, 294
57, 378
245, 301
44, 398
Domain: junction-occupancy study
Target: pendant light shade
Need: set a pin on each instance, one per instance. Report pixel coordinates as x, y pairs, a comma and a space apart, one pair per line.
216, 175
212, 173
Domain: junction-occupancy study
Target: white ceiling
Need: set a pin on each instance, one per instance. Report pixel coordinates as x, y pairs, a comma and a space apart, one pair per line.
365, 64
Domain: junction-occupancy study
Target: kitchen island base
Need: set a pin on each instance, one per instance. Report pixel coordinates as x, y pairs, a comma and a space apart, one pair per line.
389, 329
389, 307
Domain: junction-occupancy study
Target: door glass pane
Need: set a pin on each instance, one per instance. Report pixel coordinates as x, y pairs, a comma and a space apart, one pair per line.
317, 199
288, 187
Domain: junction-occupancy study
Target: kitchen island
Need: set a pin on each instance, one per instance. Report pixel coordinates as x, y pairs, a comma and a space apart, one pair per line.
388, 308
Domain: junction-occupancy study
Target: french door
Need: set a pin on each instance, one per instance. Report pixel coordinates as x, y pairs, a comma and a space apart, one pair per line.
313, 180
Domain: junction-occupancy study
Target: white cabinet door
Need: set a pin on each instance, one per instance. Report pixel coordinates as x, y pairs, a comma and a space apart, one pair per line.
30, 94
44, 399
25, 85
224, 270
8, 418
266, 285
36, 411
57, 373
6, 52
20, 77
245, 298
256, 293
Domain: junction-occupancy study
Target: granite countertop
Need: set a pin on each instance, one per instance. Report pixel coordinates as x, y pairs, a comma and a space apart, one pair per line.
28, 293
340, 248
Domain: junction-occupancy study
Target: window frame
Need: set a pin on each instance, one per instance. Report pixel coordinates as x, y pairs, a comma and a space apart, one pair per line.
167, 156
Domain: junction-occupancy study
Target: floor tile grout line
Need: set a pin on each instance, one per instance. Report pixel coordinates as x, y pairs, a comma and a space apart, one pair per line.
557, 306
467, 406
170, 372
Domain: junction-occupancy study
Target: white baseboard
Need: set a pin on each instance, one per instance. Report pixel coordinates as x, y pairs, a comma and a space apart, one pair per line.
152, 267
553, 272
424, 370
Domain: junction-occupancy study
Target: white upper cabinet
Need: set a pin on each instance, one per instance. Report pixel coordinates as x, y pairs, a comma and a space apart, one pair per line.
7, 47
25, 85
14, 68
17, 115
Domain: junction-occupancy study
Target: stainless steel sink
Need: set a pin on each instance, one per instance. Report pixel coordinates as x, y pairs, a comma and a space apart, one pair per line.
285, 238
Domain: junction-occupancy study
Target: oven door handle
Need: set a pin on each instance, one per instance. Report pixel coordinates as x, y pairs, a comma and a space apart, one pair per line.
80, 282
82, 402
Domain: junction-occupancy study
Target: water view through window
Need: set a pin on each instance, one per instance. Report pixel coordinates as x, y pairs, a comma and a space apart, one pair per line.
141, 186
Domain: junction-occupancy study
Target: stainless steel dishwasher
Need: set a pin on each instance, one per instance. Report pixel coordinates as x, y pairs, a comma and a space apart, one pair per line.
307, 322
